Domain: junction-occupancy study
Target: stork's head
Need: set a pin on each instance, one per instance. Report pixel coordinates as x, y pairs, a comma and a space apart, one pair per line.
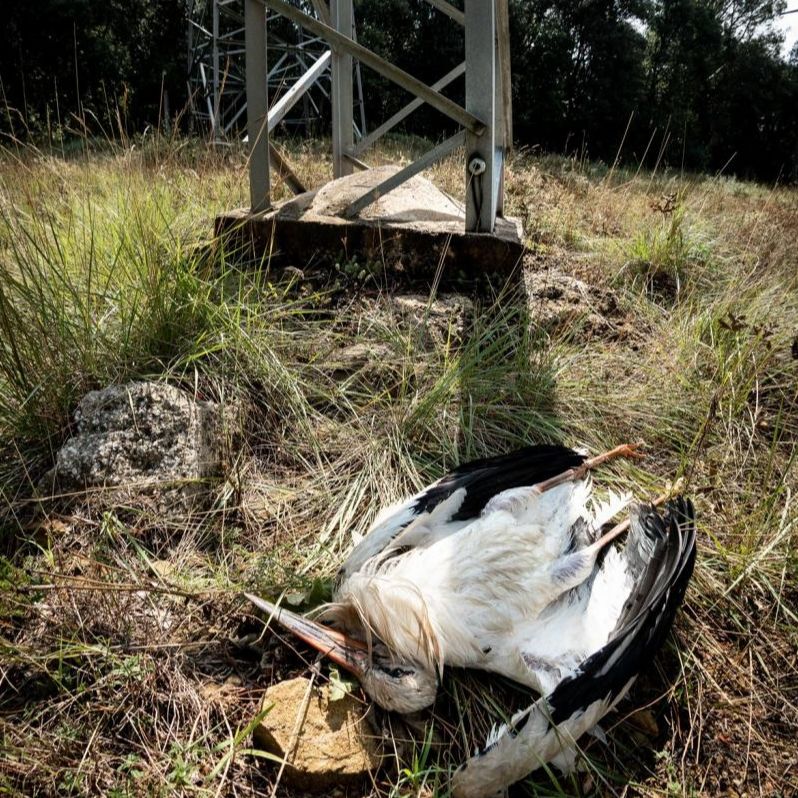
396, 686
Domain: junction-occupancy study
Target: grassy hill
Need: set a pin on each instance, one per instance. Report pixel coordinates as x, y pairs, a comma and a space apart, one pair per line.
653, 306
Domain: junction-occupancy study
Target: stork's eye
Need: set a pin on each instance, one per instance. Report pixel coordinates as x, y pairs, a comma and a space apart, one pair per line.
397, 673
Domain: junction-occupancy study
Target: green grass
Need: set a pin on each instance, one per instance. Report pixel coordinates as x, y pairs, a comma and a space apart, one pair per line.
115, 623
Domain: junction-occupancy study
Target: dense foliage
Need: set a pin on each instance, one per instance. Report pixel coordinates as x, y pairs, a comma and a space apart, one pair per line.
699, 83
696, 83
66, 63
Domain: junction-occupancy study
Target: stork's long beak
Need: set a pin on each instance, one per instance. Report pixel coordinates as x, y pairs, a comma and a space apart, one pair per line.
344, 651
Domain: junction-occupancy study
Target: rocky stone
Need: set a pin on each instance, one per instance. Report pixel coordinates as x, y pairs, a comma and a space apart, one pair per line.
445, 318
358, 356
559, 302
325, 743
368, 362
140, 438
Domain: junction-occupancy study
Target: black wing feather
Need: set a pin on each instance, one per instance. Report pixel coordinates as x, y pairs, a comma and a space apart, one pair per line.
483, 479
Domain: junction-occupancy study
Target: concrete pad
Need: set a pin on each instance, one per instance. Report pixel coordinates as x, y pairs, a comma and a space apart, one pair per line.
410, 231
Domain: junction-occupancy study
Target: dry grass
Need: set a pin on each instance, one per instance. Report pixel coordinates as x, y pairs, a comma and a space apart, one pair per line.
128, 666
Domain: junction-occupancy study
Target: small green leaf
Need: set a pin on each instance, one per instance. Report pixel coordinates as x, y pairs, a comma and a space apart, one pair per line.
295, 598
339, 686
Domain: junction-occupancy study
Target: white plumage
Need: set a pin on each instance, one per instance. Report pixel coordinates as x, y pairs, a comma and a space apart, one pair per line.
472, 596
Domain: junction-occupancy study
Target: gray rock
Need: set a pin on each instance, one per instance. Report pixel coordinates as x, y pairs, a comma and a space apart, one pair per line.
361, 355
559, 302
141, 438
446, 318
369, 361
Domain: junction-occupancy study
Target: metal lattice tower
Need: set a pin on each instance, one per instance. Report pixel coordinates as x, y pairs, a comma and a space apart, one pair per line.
484, 121
217, 70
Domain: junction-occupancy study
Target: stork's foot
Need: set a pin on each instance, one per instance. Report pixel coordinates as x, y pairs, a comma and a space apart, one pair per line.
630, 450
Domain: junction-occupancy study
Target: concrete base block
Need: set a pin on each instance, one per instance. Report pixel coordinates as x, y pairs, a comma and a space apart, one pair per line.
412, 232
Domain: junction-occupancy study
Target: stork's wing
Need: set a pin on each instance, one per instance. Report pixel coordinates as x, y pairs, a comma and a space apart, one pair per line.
460, 496
663, 552
483, 479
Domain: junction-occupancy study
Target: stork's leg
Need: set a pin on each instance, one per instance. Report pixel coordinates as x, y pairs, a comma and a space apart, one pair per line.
621, 527
571, 570
624, 450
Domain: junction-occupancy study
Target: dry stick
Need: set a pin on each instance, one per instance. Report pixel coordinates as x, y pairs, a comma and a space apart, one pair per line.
293, 740
110, 587
87, 583
624, 450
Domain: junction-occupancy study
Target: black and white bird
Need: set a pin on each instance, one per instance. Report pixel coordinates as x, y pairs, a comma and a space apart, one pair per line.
501, 566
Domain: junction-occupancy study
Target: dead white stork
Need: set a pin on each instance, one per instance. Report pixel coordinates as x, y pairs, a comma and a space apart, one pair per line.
496, 566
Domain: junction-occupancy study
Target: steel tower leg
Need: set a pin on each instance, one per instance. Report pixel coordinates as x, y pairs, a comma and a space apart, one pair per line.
257, 105
342, 101
483, 152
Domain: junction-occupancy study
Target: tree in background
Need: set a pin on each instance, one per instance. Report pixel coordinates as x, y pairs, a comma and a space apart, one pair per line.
416, 37
685, 57
719, 87
63, 60
577, 71
698, 84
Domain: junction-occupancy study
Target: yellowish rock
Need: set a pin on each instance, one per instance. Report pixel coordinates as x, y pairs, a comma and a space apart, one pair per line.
324, 743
